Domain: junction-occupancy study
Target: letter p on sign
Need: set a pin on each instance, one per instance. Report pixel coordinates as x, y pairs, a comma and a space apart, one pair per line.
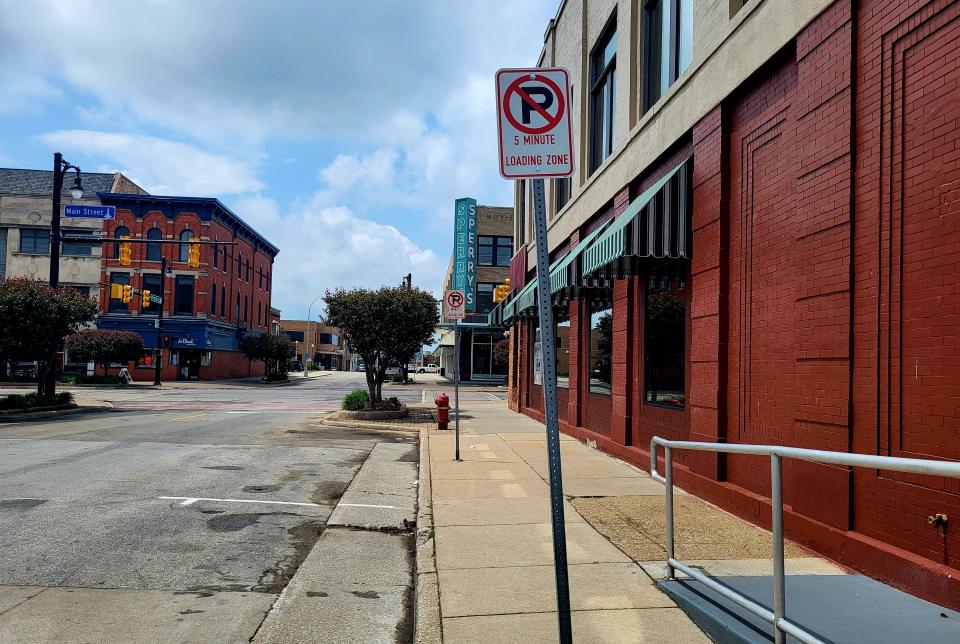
533, 110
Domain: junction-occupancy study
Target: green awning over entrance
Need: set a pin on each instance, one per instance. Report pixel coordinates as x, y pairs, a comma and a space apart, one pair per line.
660, 218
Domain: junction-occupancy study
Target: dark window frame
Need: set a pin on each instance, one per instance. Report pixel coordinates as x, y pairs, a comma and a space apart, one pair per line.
603, 91
562, 188
156, 286
480, 302
178, 299
185, 236
35, 235
223, 299
155, 250
591, 311
78, 248
115, 305
496, 243
653, 30
657, 283
117, 234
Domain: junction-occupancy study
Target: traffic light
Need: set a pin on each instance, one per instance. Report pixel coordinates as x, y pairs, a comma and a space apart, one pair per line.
193, 255
116, 291
145, 299
125, 250
127, 294
501, 291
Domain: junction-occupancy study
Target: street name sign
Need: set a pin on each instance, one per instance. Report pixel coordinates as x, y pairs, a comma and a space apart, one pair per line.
533, 117
455, 301
90, 212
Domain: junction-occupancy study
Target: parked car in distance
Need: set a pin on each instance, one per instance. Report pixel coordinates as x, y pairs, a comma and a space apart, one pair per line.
429, 368
361, 367
393, 371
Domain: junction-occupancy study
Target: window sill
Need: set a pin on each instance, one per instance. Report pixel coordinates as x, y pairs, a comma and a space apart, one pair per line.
659, 405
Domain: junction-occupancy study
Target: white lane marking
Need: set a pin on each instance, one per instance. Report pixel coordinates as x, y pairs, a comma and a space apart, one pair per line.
243, 412
367, 505
492, 396
423, 396
190, 500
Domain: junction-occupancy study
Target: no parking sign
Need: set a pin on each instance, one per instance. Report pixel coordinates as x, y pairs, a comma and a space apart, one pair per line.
533, 108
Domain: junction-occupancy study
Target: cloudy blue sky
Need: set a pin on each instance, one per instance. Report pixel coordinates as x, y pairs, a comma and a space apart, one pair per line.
343, 131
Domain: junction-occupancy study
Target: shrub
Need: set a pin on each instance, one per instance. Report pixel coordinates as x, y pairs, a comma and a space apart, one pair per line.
276, 377
29, 401
356, 400
81, 379
396, 378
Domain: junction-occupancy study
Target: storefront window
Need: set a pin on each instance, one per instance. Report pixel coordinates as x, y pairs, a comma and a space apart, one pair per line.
601, 351
561, 338
664, 327
563, 354
146, 360
491, 356
485, 297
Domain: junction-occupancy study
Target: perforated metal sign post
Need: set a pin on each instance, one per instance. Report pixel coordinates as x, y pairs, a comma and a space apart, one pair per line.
534, 126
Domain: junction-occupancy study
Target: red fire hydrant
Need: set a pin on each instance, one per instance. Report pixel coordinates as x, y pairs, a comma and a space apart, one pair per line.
443, 410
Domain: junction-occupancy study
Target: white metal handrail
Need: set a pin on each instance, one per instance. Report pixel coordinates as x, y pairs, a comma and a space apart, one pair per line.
777, 618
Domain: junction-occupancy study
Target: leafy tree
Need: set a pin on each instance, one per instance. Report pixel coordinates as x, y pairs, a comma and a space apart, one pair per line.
384, 326
104, 347
34, 320
273, 351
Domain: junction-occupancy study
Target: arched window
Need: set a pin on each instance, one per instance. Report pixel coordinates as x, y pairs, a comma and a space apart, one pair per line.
239, 265
223, 299
117, 234
213, 299
185, 236
154, 251
216, 255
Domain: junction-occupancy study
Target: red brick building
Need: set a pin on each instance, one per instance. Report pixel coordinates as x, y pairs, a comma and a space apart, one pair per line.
207, 309
765, 250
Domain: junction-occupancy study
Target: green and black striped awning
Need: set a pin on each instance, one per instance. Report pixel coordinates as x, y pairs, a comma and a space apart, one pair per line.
655, 225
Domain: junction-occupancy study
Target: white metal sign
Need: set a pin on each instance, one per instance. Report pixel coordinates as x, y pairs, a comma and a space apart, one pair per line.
533, 110
455, 302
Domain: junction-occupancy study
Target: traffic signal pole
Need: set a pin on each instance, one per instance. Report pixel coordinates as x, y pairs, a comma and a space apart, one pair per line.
158, 355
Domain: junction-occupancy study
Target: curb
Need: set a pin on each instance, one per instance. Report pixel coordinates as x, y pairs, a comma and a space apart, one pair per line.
357, 424
427, 625
53, 413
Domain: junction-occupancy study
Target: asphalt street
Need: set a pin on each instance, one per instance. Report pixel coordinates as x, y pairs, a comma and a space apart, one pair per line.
207, 493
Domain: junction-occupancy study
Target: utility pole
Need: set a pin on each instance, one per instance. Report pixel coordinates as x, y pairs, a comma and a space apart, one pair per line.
158, 357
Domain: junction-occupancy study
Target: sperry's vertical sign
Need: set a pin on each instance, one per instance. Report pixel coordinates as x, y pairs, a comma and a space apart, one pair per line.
533, 106
465, 250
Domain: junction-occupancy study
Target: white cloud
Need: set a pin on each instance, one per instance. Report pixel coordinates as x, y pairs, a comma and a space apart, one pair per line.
324, 247
160, 166
226, 69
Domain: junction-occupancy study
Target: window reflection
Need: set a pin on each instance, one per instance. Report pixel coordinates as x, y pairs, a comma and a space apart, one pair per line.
601, 351
665, 340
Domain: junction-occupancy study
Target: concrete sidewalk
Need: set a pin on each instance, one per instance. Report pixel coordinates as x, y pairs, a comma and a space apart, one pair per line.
494, 553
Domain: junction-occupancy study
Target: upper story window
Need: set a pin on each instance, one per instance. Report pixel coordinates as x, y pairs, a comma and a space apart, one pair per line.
183, 295
248, 270
155, 251
118, 305
117, 234
561, 192
603, 63
152, 282
35, 240
239, 265
223, 266
260, 277
185, 236
216, 255
494, 250
484, 297
668, 45
76, 246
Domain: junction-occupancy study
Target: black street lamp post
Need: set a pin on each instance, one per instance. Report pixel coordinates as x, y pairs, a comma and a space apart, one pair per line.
60, 167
